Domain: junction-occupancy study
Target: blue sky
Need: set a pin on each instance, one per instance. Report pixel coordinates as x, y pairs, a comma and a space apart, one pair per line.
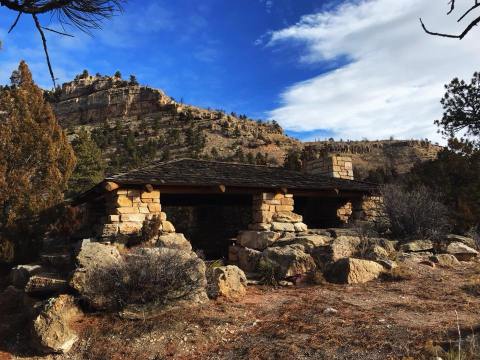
321, 68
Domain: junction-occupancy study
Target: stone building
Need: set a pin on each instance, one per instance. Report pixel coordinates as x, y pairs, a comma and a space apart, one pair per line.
211, 202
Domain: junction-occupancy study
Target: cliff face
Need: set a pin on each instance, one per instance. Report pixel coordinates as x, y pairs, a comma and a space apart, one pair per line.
150, 118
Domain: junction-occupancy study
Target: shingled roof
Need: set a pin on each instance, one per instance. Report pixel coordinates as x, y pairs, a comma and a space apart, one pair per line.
190, 172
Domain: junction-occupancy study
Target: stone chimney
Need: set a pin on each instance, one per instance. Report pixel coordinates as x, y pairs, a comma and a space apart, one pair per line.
337, 166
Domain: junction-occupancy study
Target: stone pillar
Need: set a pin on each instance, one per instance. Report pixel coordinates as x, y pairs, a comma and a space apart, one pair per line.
274, 211
366, 209
127, 209
344, 212
337, 166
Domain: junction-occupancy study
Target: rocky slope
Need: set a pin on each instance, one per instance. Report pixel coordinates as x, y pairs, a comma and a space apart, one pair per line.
126, 116
135, 124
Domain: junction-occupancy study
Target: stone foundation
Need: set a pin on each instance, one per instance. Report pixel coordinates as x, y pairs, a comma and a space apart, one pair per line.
127, 209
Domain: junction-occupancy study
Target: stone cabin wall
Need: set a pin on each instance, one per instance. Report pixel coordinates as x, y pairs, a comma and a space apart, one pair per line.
337, 166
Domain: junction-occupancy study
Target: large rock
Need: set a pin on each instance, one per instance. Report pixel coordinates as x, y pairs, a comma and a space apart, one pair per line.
91, 256
377, 252
174, 241
415, 257
417, 245
248, 259
291, 260
258, 240
461, 251
300, 227
51, 331
340, 248
355, 271
20, 274
287, 217
445, 260
462, 239
309, 242
227, 281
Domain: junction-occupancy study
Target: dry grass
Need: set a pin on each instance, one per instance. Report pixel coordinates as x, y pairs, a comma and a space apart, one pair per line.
380, 320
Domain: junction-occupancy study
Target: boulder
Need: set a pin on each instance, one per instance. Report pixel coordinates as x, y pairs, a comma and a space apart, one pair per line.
415, 257
51, 331
248, 259
20, 274
354, 271
227, 281
287, 217
387, 264
344, 246
445, 260
90, 256
300, 227
282, 227
461, 251
168, 227
309, 242
258, 240
377, 252
174, 241
417, 246
389, 245
46, 284
291, 260
462, 239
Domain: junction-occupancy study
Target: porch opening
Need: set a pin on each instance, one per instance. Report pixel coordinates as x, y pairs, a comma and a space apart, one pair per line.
319, 212
209, 222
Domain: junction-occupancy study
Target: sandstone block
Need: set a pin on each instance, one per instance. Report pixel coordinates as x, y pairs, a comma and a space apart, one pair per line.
123, 201
154, 207
150, 195
287, 201
281, 208
262, 216
287, 216
133, 217
168, 227
122, 192
144, 210
134, 193
163, 216
127, 210
300, 227
417, 245
277, 226
109, 230
43, 284
114, 218
445, 260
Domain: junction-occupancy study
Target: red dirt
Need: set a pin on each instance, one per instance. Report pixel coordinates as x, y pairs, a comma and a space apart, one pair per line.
378, 320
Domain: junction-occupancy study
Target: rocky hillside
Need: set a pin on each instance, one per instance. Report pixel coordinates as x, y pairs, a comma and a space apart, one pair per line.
134, 124
377, 158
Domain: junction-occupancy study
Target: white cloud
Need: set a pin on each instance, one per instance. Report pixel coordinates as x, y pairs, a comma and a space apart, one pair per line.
394, 78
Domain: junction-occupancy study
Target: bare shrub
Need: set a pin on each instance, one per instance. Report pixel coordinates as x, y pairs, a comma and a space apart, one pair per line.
210, 268
150, 231
413, 214
269, 272
147, 276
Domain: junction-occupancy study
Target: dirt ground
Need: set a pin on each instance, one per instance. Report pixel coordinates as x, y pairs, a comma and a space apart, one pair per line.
408, 319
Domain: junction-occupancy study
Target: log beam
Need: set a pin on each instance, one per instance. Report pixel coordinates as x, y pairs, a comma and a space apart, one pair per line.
111, 186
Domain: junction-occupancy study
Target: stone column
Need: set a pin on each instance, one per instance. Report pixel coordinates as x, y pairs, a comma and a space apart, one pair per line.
367, 208
344, 212
127, 209
337, 166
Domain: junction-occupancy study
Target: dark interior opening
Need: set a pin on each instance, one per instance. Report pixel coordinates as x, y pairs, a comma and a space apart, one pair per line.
319, 212
209, 222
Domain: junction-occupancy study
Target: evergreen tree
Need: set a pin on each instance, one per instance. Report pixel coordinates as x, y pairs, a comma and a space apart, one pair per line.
90, 169
36, 159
